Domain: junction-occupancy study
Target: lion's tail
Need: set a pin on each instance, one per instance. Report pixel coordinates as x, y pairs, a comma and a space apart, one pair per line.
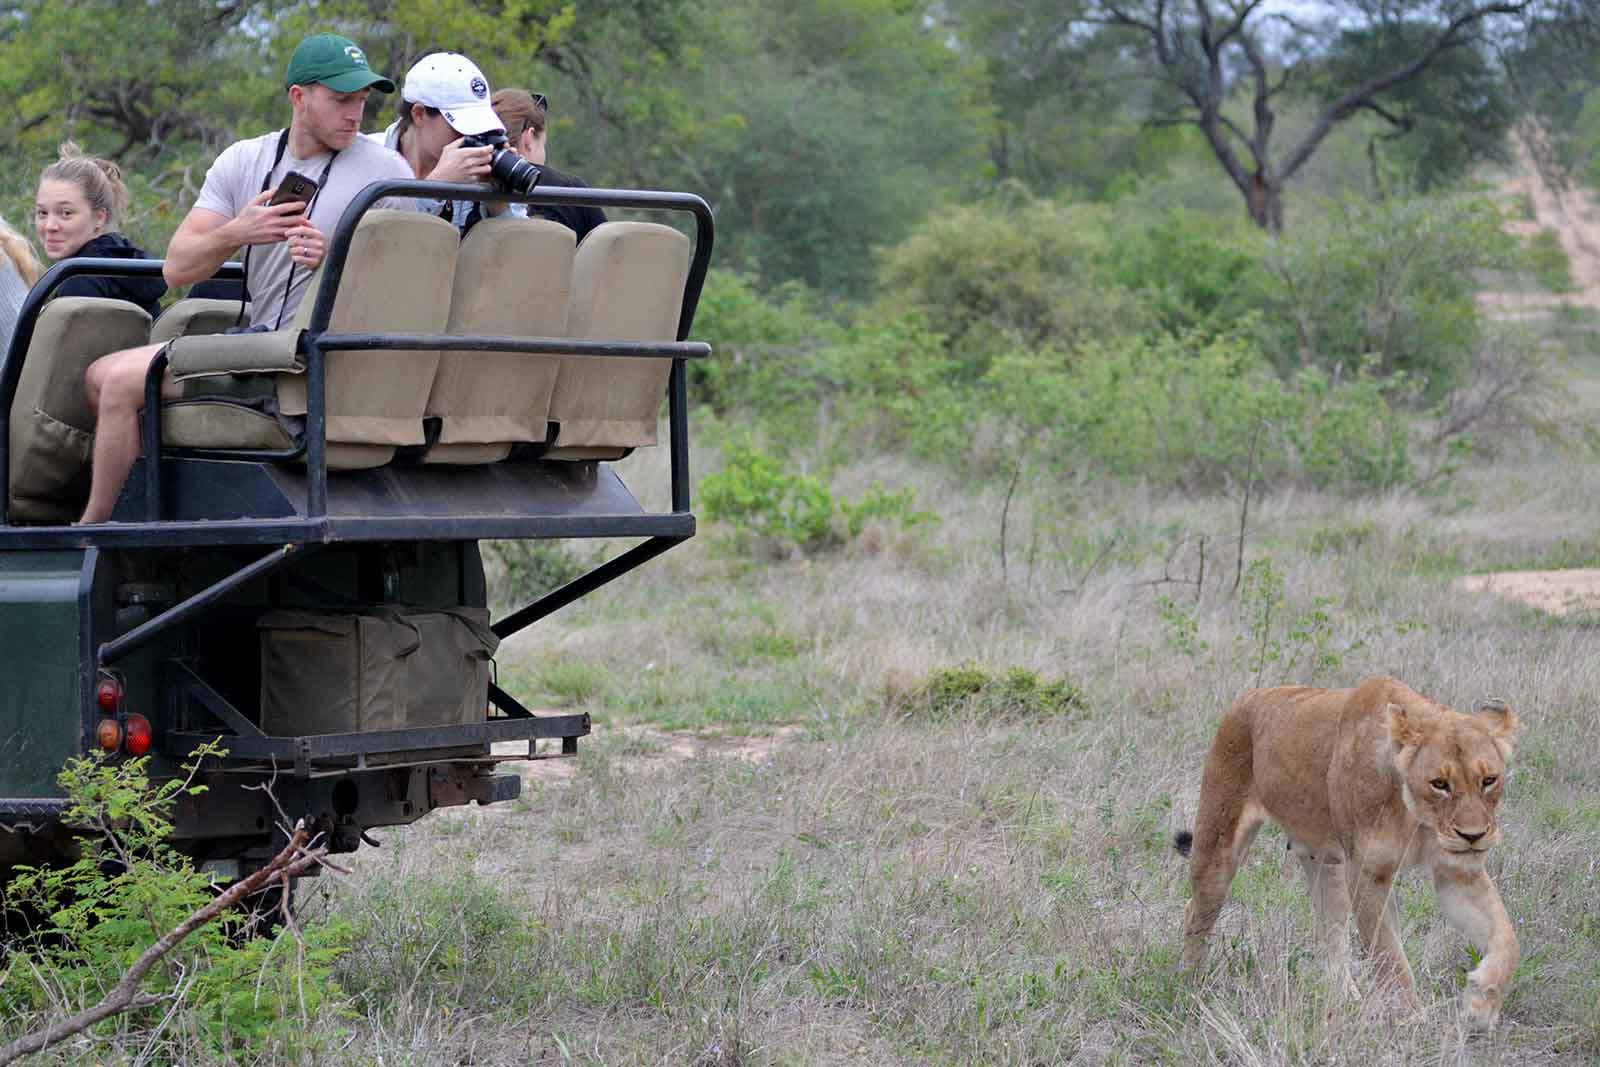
1182, 840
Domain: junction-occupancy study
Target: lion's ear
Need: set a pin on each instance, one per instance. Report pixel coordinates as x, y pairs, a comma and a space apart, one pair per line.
1501, 722
1402, 727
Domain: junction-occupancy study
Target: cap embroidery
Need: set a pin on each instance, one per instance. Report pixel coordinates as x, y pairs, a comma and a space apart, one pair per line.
355, 55
480, 88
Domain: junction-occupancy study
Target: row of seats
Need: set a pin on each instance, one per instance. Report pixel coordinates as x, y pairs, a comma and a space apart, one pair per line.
406, 273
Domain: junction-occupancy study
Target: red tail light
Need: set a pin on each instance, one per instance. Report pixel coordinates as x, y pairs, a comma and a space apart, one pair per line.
138, 740
108, 694
108, 735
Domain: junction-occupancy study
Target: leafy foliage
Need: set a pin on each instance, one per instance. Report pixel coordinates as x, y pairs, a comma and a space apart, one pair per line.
1016, 693
795, 512
86, 922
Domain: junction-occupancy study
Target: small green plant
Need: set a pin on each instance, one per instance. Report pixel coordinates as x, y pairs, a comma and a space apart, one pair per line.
1549, 262
1261, 604
1016, 694
1183, 627
795, 512
129, 887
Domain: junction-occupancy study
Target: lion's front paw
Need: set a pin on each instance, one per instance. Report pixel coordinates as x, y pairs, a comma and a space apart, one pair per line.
1481, 1004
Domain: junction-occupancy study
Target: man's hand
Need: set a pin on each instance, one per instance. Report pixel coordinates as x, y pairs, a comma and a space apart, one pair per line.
462, 165
261, 223
307, 246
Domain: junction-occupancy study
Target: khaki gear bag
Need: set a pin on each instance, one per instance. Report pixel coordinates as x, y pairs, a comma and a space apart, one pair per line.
382, 668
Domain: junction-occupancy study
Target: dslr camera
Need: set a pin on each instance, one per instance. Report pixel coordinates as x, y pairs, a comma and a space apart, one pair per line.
509, 170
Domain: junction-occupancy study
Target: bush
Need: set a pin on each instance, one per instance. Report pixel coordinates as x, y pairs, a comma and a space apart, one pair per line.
1014, 694
994, 277
127, 888
762, 345
1549, 262
1385, 286
1198, 412
794, 512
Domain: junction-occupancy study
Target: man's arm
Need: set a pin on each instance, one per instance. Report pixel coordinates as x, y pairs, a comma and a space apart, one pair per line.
206, 239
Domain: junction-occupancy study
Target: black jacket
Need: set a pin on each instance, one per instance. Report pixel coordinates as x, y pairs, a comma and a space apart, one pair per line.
146, 292
580, 220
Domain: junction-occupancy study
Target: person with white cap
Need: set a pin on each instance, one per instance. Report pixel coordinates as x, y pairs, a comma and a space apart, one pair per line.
444, 99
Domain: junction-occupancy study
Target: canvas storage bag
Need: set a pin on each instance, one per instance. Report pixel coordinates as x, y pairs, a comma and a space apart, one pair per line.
388, 668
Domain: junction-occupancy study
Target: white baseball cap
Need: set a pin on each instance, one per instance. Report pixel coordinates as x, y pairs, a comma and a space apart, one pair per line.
454, 85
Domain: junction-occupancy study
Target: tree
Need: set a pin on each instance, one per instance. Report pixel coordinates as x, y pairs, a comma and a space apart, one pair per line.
1203, 53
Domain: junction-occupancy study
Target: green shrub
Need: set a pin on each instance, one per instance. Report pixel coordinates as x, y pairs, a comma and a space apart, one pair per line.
1386, 286
1014, 694
995, 277
763, 345
753, 492
1549, 262
1199, 411
94, 917
757, 497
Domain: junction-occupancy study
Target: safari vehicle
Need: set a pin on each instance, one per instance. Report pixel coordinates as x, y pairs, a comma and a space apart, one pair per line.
293, 567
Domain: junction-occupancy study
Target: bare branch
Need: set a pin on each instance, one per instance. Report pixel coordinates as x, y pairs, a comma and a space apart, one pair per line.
1356, 98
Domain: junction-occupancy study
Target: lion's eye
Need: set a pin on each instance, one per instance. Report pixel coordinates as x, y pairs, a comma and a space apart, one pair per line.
1488, 783
1442, 785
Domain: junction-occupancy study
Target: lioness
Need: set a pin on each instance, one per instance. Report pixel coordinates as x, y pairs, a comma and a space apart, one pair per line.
1366, 782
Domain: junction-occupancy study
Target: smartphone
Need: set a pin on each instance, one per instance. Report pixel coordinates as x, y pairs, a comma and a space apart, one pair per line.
294, 187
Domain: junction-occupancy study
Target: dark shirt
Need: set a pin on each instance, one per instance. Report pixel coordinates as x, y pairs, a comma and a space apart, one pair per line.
579, 219
146, 292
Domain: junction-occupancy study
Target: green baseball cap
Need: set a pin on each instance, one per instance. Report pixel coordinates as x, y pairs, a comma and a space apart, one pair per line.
334, 61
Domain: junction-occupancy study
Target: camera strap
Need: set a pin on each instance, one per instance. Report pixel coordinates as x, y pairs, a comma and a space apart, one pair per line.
266, 183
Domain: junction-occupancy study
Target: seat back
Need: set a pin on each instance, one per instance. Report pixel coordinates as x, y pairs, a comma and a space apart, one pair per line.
396, 279
194, 316
52, 428
513, 279
627, 285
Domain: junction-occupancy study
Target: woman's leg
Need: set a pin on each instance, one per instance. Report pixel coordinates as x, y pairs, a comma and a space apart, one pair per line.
114, 386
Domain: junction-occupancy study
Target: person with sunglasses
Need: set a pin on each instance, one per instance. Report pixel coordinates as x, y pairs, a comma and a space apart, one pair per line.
526, 118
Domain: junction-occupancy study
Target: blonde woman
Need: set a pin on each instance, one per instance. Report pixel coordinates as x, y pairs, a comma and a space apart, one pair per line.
80, 201
19, 269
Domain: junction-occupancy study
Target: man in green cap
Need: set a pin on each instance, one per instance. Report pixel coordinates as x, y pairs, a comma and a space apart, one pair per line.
327, 81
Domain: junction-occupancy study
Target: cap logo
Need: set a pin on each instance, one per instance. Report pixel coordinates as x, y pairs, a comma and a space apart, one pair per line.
355, 55
480, 88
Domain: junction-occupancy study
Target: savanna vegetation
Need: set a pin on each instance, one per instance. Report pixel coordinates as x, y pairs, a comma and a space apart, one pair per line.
1077, 366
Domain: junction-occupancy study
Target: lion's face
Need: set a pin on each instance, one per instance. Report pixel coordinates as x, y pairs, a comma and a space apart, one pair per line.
1453, 767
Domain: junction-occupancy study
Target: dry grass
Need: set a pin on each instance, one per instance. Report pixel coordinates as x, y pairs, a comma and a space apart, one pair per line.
871, 888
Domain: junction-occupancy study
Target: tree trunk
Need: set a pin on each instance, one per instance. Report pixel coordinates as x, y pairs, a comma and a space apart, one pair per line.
1264, 202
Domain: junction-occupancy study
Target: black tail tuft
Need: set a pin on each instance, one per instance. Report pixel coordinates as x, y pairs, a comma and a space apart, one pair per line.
1182, 840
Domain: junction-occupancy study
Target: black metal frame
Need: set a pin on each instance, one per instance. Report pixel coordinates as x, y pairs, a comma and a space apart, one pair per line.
294, 537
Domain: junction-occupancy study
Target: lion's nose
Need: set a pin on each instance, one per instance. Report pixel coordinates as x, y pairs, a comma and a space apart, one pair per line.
1471, 839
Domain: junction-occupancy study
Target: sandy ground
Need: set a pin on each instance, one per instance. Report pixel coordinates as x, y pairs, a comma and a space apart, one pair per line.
1571, 211
1556, 592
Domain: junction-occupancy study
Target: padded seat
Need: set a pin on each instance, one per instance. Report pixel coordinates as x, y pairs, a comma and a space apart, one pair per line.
194, 316
248, 391
513, 279
627, 285
52, 429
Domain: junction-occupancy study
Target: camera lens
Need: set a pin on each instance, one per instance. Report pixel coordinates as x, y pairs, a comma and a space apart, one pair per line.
514, 173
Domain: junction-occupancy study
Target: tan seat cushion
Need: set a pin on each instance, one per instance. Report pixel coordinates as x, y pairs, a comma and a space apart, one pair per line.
513, 279
52, 429
396, 279
194, 316
627, 285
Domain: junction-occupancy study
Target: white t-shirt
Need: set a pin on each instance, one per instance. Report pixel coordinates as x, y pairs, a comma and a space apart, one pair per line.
235, 179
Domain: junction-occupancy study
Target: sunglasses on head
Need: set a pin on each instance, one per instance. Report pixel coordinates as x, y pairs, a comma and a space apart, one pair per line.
541, 101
